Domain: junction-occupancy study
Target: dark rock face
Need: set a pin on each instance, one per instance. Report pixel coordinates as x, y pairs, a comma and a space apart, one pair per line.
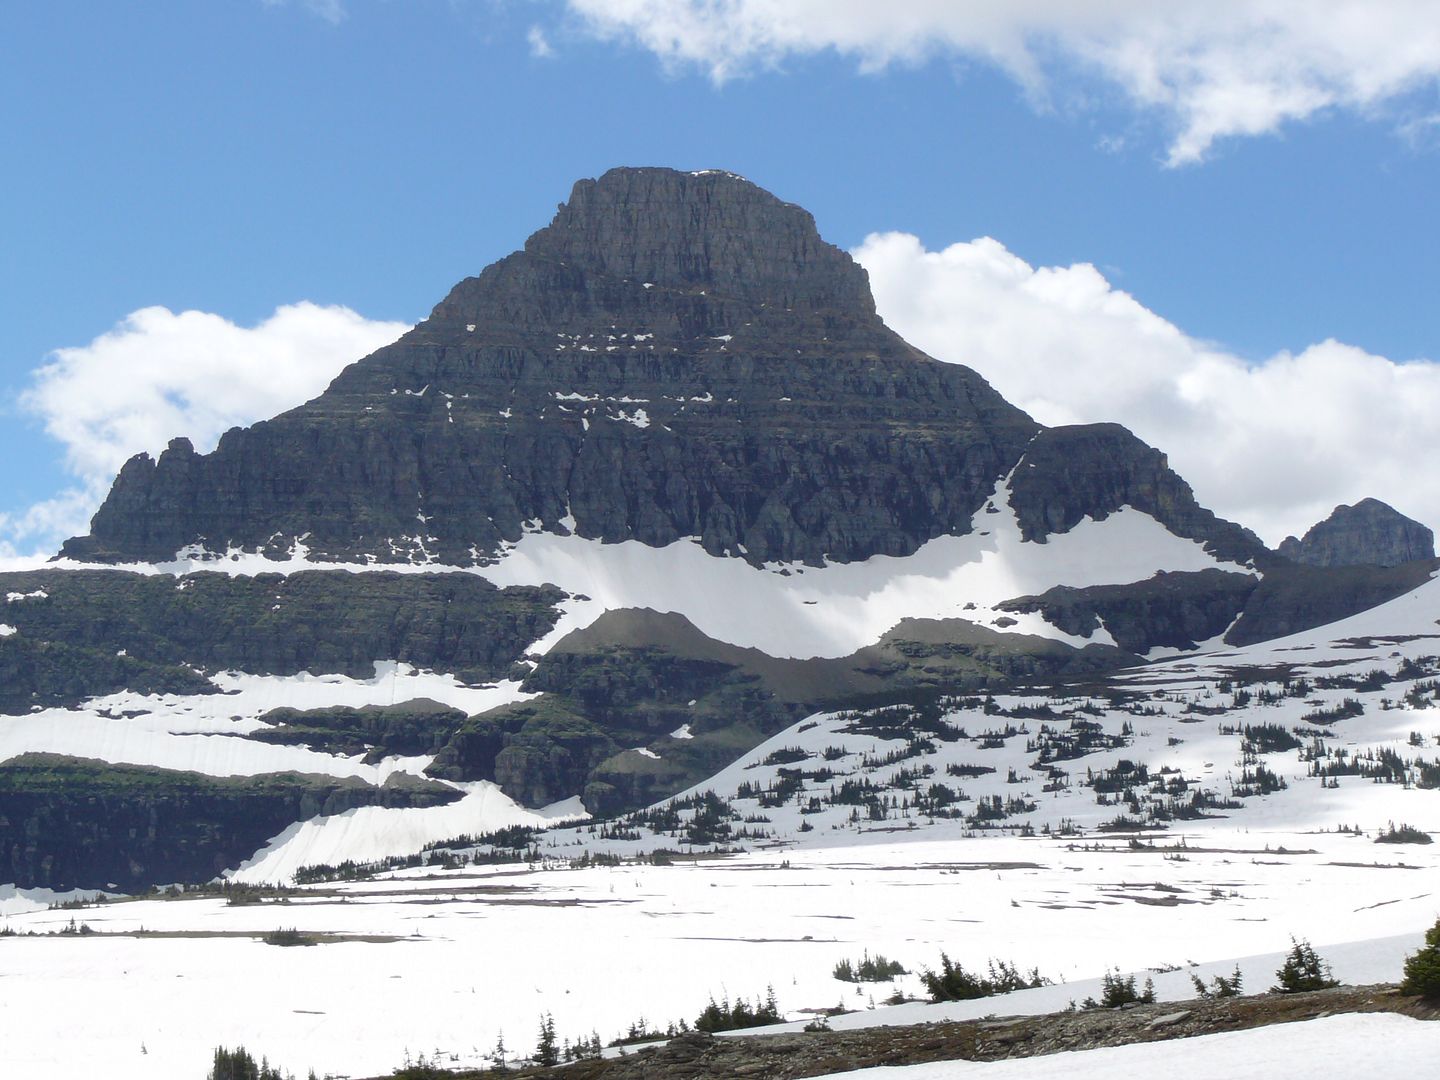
1292, 598
675, 355
1069, 473
1180, 610
406, 728
1370, 533
56, 673
71, 823
67, 639
538, 752
1171, 610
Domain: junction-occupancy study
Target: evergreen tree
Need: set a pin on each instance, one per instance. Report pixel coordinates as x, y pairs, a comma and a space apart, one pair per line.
497, 1056
1422, 970
234, 1064
724, 1016
238, 1064
1220, 986
1303, 970
1118, 990
546, 1052
953, 983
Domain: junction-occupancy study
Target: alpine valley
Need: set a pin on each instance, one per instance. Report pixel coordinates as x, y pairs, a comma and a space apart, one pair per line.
653, 545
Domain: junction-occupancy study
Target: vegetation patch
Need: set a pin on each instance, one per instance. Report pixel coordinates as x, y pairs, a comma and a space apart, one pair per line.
869, 969
953, 983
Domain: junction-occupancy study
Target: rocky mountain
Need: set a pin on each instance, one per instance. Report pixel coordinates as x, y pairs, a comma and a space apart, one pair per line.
633, 500
676, 355
1370, 533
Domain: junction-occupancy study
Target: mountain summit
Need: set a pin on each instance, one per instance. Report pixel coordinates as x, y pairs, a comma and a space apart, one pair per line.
675, 355
1370, 533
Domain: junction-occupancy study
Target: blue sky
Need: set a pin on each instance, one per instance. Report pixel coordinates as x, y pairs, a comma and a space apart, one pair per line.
235, 157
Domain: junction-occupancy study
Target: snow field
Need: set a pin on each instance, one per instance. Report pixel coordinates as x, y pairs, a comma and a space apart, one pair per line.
476, 952
202, 733
833, 610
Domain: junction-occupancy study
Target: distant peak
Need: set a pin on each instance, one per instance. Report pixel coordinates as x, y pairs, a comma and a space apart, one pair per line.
1370, 533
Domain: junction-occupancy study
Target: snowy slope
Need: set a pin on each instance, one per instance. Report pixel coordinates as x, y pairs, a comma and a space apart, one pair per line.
1345, 731
833, 610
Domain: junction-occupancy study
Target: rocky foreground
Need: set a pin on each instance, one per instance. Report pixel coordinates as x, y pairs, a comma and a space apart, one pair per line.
822, 1053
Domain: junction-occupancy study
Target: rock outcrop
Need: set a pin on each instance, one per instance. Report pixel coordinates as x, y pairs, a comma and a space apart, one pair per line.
1092, 470
698, 1055
406, 728
1293, 598
1370, 533
1182, 610
1174, 610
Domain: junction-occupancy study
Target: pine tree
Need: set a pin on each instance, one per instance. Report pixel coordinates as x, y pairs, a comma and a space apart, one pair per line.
1422, 970
234, 1064
497, 1056
1118, 990
1220, 987
1303, 970
545, 1049
238, 1064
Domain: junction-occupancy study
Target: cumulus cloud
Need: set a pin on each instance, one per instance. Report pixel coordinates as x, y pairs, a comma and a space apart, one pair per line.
160, 374
1275, 445
1211, 70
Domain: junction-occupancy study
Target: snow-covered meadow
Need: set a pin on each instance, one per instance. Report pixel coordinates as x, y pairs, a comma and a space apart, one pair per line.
443, 962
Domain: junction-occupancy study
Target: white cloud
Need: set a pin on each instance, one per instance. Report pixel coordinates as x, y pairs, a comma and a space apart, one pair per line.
1211, 70
540, 46
159, 374
1274, 445
28, 538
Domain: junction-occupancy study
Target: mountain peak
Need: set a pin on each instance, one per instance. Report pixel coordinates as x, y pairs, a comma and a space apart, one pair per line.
699, 230
1370, 533
675, 355
694, 256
